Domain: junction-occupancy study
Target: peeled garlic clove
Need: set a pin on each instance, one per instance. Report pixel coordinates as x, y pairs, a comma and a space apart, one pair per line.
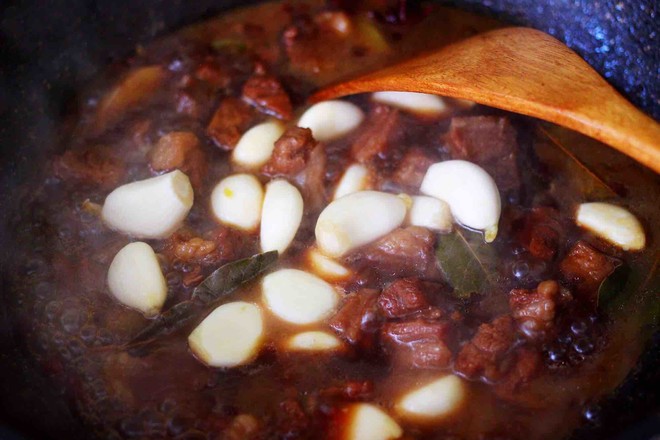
612, 223
330, 120
236, 201
136, 280
368, 422
355, 178
429, 212
435, 400
358, 219
470, 192
280, 216
313, 341
298, 297
413, 102
231, 335
151, 208
256, 145
326, 267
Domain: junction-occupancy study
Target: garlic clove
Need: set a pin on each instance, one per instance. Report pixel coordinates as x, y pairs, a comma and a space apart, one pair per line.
256, 145
136, 280
612, 223
325, 267
236, 201
355, 178
298, 297
435, 400
431, 213
420, 103
369, 422
331, 120
469, 190
280, 216
357, 219
151, 208
313, 341
230, 336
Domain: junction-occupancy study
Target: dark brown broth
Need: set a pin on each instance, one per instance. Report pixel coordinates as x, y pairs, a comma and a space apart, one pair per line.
75, 328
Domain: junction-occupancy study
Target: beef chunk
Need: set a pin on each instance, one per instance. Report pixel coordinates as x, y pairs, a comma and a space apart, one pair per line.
316, 44
291, 152
402, 297
311, 180
524, 364
180, 150
540, 232
535, 310
357, 319
586, 268
484, 353
417, 343
489, 141
230, 120
413, 166
376, 133
220, 245
267, 94
211, 72
405, 252
90, 166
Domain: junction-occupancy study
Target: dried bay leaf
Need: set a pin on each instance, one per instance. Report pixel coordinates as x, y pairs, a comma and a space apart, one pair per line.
569, 174
220, 283
468, 262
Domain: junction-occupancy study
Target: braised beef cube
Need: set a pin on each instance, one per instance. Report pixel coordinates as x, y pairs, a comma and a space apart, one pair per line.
540, 232
357, 319
402, 297
535, 310
315, 45
586, 268
171, 150
376, 133
489, 141
267, 94
311, 180
232, 118
483, 354
180, 150
90, 166
417, 343
405, 252
524, 362
213, 74
291, 152
413, 166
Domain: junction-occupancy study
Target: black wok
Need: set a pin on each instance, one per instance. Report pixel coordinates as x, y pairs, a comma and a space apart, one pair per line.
47, 49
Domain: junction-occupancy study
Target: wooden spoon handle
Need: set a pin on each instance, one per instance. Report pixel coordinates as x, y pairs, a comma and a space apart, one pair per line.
524, 71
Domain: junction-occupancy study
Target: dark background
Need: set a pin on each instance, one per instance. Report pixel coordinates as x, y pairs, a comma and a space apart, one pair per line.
49, 47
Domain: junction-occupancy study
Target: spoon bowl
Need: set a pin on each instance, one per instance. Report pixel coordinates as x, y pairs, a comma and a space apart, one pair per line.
524, 71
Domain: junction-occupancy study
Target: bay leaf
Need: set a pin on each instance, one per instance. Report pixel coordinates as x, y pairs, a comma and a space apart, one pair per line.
228, 277
569, 174
467, 261
220, 283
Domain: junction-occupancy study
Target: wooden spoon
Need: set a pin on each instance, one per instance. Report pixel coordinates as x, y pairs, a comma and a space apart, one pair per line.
524, 71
